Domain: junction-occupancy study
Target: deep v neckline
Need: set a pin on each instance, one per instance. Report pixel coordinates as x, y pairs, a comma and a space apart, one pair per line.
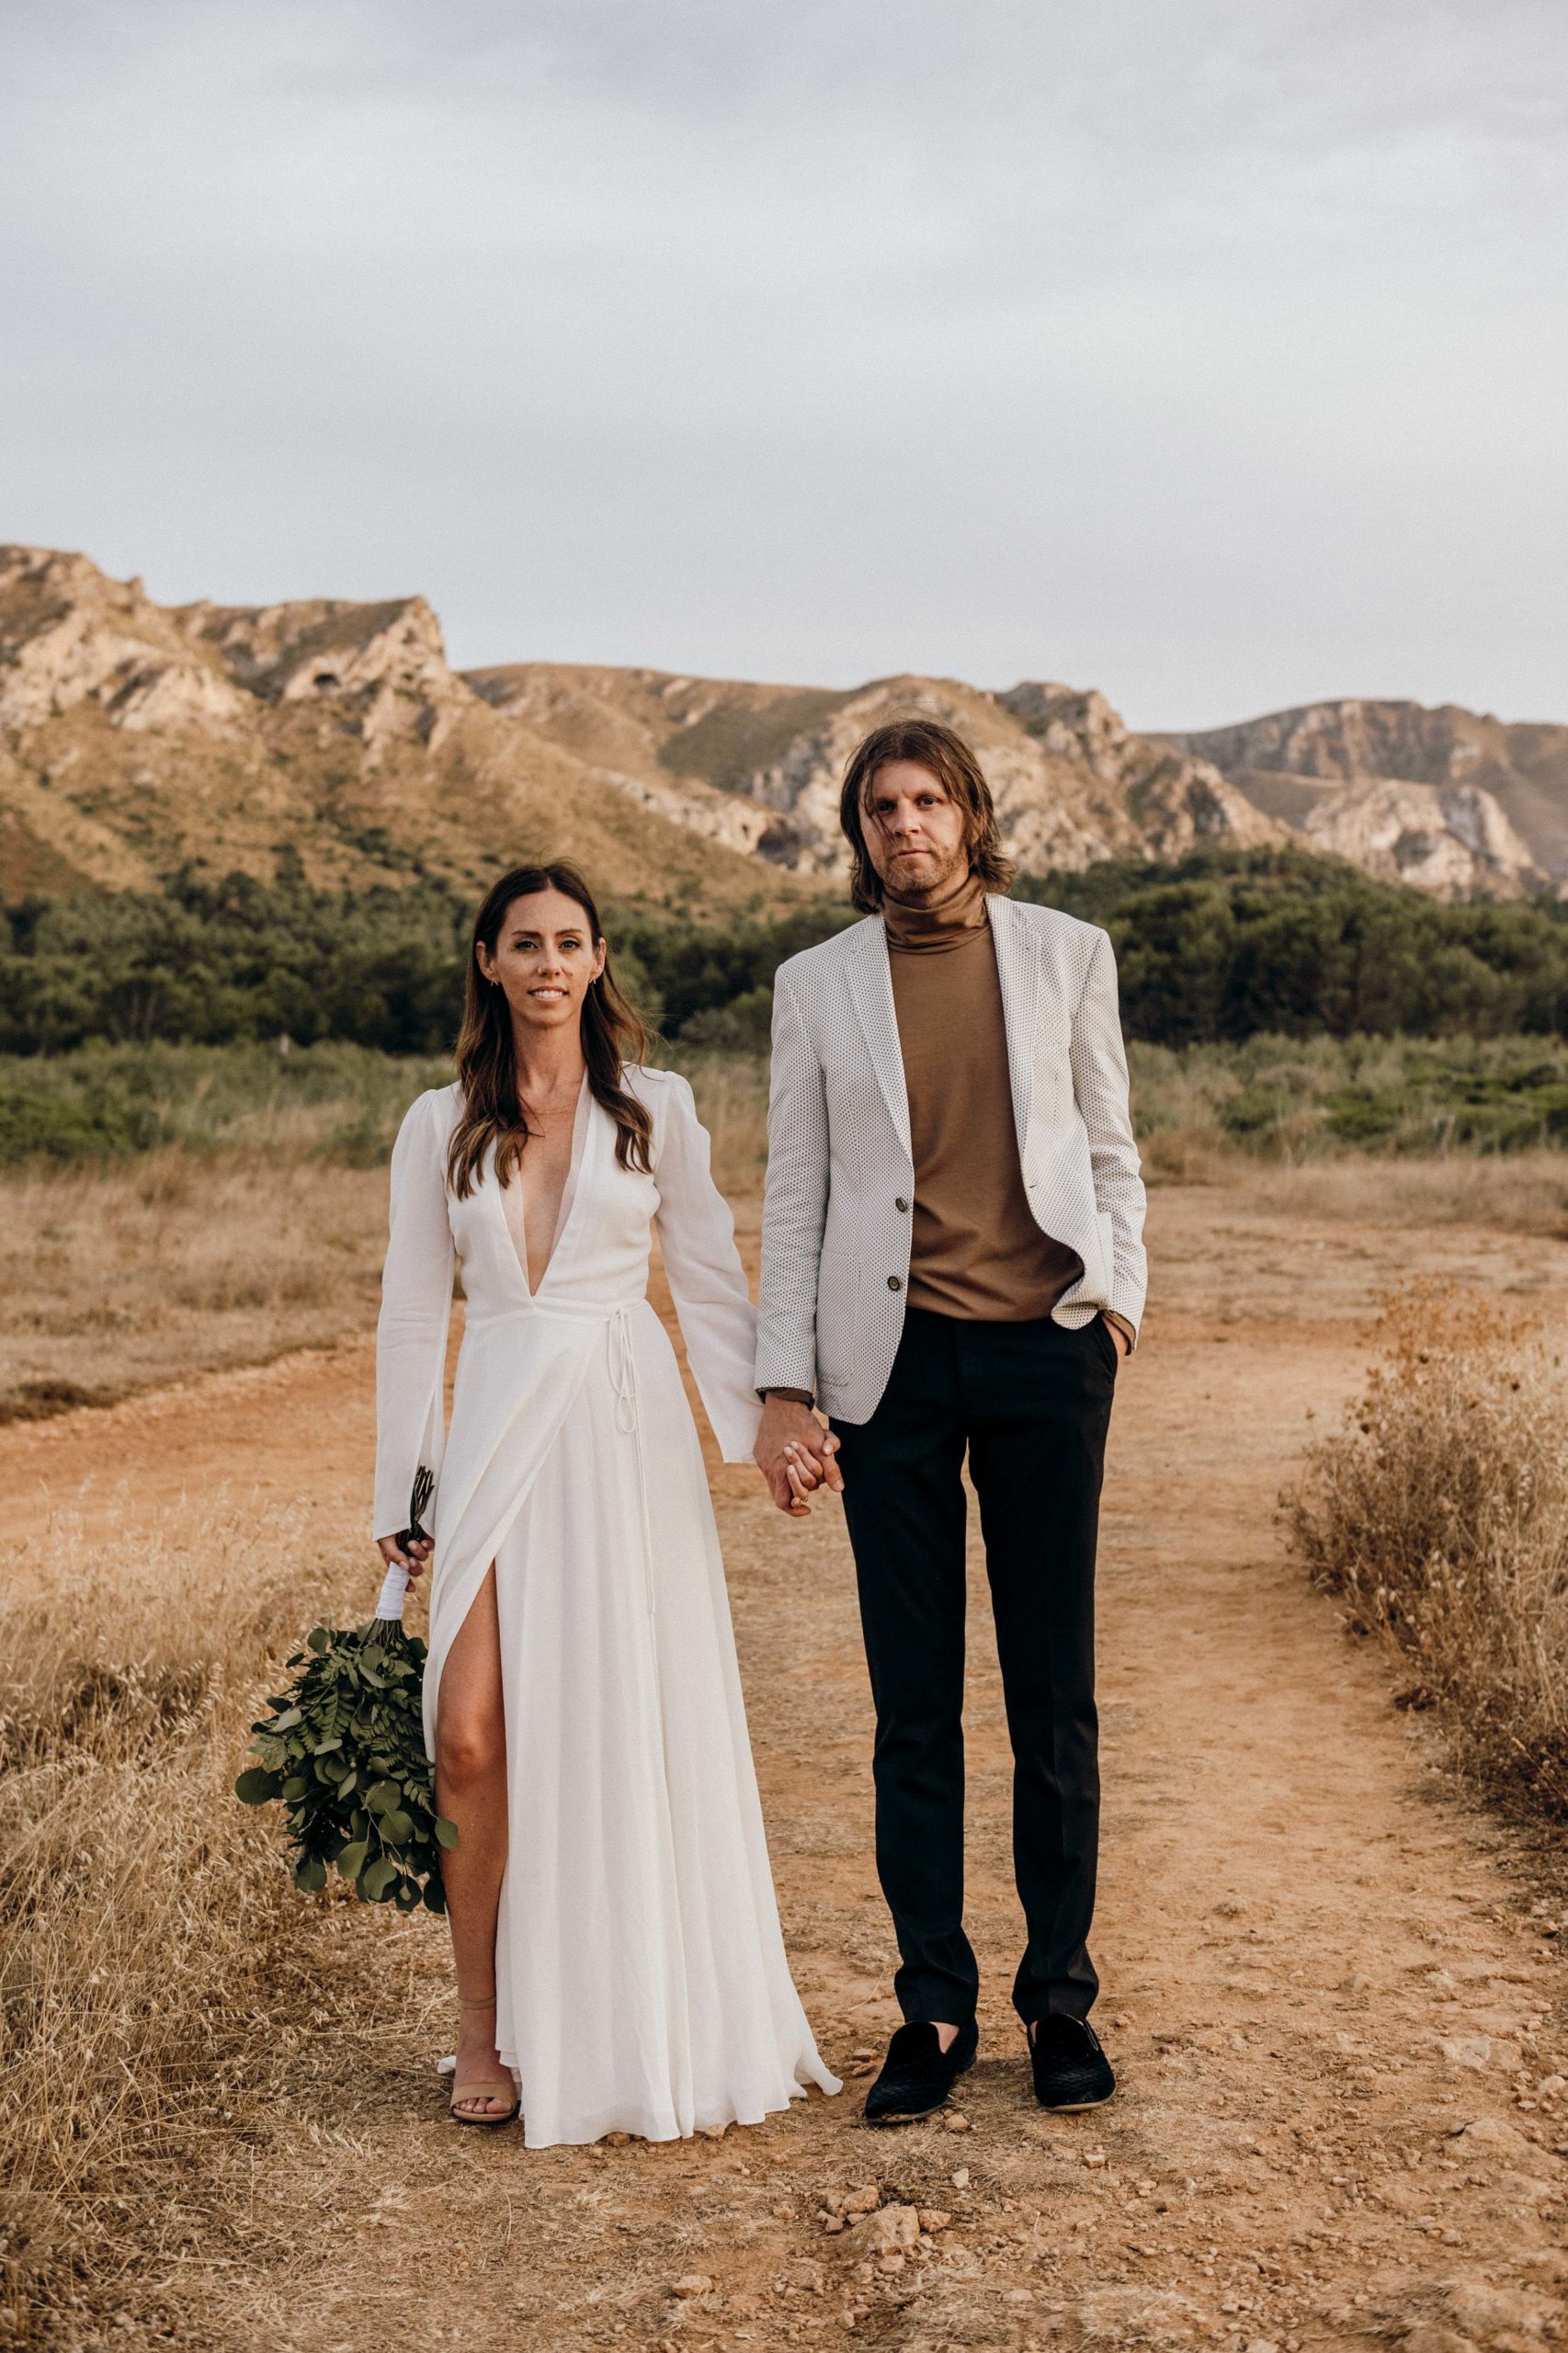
511, 1203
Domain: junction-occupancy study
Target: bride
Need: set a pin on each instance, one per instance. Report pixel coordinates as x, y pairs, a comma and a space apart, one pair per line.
614, 1926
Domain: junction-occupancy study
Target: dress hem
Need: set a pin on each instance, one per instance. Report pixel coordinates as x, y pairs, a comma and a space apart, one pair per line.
744, 2114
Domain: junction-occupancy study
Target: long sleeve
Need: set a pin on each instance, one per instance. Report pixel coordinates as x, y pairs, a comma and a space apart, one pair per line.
1100, 1086
794, 1206
416, 1305
707, 1283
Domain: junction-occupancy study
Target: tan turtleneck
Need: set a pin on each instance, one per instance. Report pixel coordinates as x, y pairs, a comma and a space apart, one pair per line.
976, 1251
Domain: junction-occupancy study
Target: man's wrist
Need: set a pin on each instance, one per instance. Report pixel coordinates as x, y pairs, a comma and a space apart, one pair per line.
1121, 1324
790, 1396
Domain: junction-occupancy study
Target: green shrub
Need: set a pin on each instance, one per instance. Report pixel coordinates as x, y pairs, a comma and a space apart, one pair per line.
38, 1124
742, 1027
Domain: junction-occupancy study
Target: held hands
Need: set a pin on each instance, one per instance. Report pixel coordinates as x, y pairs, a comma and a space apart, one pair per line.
412, 1556
795, 1455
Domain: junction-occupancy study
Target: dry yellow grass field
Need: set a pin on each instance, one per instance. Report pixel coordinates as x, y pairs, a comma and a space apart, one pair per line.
1340, 2027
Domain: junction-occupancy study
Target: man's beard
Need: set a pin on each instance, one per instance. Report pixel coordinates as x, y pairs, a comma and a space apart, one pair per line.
946, 883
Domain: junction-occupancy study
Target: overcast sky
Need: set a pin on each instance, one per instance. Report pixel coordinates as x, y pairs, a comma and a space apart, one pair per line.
1212, 352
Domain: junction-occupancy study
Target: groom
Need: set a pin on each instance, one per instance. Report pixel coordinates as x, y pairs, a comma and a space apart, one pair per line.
952, 1265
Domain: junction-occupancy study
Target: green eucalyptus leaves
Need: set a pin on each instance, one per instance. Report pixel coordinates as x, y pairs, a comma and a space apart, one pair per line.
343, 1750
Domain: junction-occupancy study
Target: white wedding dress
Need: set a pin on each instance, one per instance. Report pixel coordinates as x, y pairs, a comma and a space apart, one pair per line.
642, 1981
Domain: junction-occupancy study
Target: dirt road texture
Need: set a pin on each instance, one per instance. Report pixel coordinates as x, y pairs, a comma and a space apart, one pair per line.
1332, 1987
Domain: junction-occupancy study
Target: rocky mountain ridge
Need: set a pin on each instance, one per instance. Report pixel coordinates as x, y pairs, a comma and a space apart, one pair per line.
1450, 799
761, 765
135, 737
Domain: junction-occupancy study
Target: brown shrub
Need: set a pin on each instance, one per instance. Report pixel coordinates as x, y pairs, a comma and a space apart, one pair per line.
1441, 1513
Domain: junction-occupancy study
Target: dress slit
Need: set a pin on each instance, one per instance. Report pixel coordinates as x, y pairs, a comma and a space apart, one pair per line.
456, 1638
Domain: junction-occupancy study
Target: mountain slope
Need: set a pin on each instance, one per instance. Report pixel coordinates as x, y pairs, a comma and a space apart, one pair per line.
1451, 798
761, 764
136, 737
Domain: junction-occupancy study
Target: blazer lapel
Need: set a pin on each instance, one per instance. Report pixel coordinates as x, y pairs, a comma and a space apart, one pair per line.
1018, 972
871, 992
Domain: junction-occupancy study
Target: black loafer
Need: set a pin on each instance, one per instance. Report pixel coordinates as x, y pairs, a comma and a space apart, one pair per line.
1070, 2068
917, 2073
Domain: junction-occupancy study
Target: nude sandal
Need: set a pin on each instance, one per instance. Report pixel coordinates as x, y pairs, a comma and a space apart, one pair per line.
484, 2087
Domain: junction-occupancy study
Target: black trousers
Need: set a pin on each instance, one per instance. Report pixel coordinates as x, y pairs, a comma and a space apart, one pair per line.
1031, 1404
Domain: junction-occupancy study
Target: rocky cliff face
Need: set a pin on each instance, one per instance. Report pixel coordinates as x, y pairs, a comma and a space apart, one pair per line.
379, 669
135, 738
68, 635
1449, 799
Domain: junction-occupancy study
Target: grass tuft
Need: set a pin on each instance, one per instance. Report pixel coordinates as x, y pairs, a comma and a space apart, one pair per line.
1439, 1514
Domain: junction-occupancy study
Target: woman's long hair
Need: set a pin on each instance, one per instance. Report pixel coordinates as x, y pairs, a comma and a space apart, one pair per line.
613, 1035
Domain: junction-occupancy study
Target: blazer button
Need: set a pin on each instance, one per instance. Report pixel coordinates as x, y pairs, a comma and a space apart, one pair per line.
893, 1283
900, 1205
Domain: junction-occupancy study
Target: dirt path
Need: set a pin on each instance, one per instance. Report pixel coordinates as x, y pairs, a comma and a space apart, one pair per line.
1339, 2022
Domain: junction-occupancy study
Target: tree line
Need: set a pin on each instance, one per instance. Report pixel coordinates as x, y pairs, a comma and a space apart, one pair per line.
1224, 945
1214, 948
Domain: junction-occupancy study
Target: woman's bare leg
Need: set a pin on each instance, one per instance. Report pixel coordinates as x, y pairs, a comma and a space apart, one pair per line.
470, 1790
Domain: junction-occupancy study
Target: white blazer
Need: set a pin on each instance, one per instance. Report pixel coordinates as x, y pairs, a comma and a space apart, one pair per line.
836, 1218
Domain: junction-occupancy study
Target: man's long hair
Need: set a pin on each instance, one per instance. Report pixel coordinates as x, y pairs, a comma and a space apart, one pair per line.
947, 757
612, 1032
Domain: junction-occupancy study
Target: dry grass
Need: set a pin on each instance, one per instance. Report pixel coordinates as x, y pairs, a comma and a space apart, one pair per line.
1517, 1192
731, 1099
119, 1277
1441, 1513
151, 2003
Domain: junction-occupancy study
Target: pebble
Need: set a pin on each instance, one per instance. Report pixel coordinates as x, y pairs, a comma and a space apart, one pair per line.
933, 2218
961, 2178
892, 2230
692, 2283
955, 2124
1093, 2159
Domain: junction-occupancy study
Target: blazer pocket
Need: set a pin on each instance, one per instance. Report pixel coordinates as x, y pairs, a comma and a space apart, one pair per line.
839, 1317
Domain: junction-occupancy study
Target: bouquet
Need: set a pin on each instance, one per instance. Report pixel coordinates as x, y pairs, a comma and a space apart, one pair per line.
343, 1750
